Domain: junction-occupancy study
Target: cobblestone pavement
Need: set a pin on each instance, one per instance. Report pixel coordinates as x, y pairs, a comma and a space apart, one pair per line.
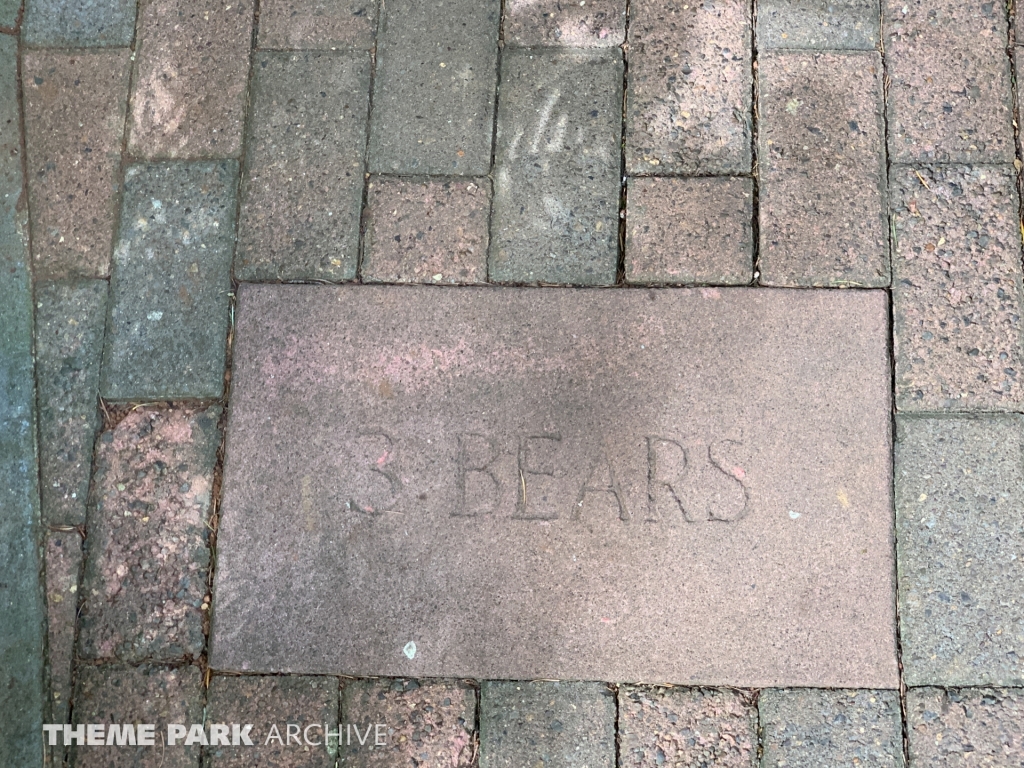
156, 154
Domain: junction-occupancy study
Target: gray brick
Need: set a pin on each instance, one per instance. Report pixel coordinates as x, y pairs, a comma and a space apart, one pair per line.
78, 23
169, 289
593, 24
433, 98
9, 10
317, 24
966, 728
63, 569
959, 513
557, 164
818, 24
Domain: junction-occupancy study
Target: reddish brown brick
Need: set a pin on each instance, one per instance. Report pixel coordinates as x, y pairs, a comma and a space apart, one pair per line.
317, 24
192, 63
75, 106
966, 728
426, 231
685, 231
688, 97
63, 566
822, 161
949, 97
593, 24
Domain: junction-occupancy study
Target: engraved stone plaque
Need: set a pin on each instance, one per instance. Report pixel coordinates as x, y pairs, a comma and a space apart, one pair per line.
684, 486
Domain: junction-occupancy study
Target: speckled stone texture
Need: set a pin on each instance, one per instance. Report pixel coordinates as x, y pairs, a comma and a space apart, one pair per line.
169, 303
9, 12
821, 158
303, 184
115, 693
63, 568
591, 24
557, 168
268, 701
957, 290
429, 231
191, 70
949, 99
148, 553
686, 727
317, 24
75, 106
543, 723
77, 23
811, 728
689, 231
959, 513
688, 103
429, 724
69, 323
972, 728
434, 87
818, 24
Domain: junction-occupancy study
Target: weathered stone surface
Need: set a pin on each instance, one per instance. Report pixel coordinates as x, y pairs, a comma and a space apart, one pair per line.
507, 467
169, 289
146, 569
116, 693
963, 729
949, 99
686, 231
959, 513
430, 231
593, 24
9, 11
69, 323
957, 292
434, 88
428, 724
810, 728
686, 726
270, 701
821, 159
77, 23
63, 567
557, 168
13, 208
303, 185
191, 70
322, 24
818, 24
74, 123
688, 104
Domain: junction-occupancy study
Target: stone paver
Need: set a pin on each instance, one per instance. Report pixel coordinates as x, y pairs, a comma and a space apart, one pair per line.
309, 702
169, 302
949, 98
959, 513
75, 106
427, 724
493, 459
69, 323
146, 570
818, 24
557, 168
957, 293
546, 724
303, 185
9, 13
434, 87
809, 728
430, 231
116, 693
686, 726
317, 24
821, 159
77, 23
980, 727
191, 69
688, 103
63, 567
686, 231
591, 24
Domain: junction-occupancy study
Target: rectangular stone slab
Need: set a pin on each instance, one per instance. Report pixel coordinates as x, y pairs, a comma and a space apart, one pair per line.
686, 486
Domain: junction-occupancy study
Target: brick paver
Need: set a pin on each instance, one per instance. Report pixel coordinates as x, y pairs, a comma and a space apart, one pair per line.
590, 24
959, 510
77, 24
145, 593
557, 168
821, 162
965, 728
317, 24
832, 25
688, 103
433, 101
957, 293
687, 231
75, 106
63, 568
303, 184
